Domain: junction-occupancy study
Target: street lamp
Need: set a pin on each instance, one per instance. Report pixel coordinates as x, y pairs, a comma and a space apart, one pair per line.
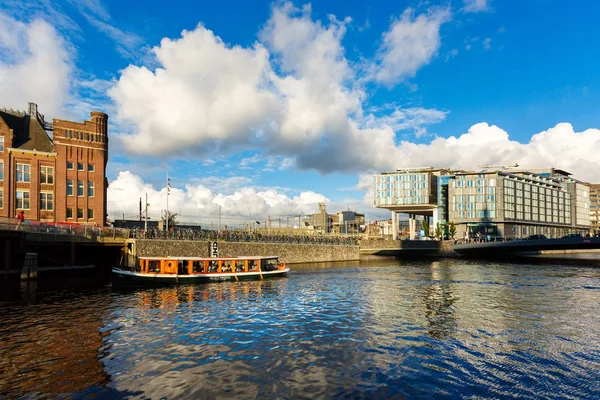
168, 192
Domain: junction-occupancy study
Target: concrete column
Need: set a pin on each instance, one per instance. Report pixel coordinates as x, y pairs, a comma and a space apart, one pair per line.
435, 220
394, 225
411, 225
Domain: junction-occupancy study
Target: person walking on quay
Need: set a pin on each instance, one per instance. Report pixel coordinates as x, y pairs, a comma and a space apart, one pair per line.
21, 217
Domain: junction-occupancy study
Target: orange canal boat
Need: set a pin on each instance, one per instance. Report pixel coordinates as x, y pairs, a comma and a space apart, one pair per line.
184, 270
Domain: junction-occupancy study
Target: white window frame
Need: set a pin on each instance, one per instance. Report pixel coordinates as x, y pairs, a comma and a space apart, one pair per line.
23, 172
46, 201
25, 200
80, 185
49, 172
90, 189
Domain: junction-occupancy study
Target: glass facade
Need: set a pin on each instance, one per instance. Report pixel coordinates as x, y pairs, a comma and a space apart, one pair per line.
404, 189
492, 203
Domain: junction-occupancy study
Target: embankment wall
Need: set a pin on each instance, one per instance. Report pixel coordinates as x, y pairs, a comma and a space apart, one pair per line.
292, 253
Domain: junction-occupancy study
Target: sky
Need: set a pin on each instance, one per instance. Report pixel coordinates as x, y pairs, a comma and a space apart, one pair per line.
258, 110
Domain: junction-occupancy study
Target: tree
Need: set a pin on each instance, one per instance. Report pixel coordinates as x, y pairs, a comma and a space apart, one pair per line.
452, 230
439, 231
171, 217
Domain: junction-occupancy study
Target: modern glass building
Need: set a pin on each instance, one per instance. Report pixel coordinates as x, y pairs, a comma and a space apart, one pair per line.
487, 203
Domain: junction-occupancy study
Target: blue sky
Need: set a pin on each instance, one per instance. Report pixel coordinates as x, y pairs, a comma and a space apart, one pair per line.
267, 108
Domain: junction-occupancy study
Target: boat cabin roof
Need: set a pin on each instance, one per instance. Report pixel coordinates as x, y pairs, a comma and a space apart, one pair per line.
210, 258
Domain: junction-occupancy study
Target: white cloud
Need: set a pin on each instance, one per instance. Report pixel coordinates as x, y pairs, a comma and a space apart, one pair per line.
207, 94
197, 203
475, 6
487, 43
409, 44
451, 54
294, 95
559, 147
35, 65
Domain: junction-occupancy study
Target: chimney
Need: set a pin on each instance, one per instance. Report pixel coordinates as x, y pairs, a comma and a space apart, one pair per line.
33, 110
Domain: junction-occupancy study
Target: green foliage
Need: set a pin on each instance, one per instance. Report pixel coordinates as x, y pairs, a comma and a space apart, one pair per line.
172, 217
439, 231
452, 230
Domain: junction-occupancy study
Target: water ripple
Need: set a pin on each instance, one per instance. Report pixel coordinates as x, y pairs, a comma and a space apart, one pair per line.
388, 329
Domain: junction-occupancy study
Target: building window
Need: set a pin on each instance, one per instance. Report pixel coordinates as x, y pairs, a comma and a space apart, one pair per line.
79, 189
91, 167
90, 213
1, 143
69, 213
1, 198
90, 189
23, 174
69, 165
69, 187
23, 199
1, 170
47, 175
46, 201
80, 213
79, 166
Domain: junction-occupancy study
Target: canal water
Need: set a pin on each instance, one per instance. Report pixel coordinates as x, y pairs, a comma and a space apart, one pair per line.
376, 329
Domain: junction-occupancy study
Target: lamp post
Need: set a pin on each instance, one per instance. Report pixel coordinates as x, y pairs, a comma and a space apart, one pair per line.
168, 192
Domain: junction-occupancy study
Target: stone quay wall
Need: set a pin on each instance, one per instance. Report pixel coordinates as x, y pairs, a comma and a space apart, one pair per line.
291, 252
443, 248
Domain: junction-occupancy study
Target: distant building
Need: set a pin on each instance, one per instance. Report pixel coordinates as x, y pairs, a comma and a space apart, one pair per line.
595, 208
494, 201
58, 179
348, 222
344, 222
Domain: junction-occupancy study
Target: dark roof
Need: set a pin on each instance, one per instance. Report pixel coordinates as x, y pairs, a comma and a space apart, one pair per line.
28, 132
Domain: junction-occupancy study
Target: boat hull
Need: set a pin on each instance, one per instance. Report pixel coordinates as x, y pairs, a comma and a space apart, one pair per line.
124, 277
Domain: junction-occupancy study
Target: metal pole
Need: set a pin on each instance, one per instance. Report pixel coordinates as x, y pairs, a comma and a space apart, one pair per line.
168, 191
146, 215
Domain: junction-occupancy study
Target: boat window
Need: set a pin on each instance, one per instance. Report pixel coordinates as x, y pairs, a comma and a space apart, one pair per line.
226, 266
213, 266
270, 265
182, 268
197, 266
252, 265
153, 266
239, 265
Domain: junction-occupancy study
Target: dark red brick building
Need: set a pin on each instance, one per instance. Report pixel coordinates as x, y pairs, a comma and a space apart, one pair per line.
58, 179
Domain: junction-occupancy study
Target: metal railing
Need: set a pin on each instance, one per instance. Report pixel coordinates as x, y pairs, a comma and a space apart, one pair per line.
61, 228
239, 236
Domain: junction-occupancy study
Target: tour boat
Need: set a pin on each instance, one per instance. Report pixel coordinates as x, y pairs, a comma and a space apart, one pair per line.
183, 270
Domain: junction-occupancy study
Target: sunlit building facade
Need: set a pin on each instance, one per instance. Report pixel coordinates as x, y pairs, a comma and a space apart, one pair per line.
595, 208
491, 202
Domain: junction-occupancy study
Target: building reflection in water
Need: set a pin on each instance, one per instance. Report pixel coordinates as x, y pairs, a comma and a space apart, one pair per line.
172, 297
51, 343
439, 302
